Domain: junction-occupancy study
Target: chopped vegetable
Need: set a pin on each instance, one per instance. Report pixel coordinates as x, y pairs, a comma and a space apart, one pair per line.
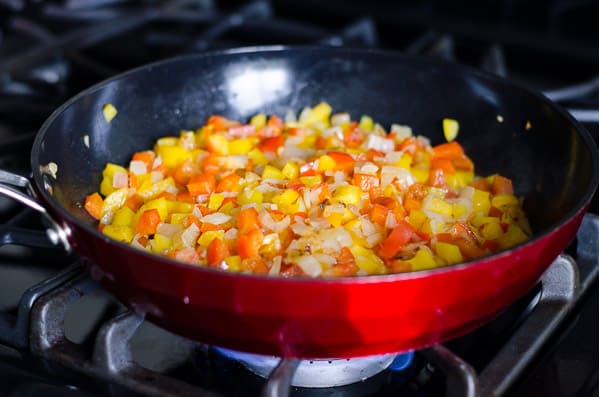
320, 195
450, 129
109, 112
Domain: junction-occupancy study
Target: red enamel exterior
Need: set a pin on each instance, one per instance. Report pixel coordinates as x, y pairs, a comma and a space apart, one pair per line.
320, 318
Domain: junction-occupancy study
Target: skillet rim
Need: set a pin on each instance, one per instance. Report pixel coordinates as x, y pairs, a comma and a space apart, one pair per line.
457, 69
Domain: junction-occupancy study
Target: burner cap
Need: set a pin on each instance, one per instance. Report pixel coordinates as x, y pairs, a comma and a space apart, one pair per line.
320, 373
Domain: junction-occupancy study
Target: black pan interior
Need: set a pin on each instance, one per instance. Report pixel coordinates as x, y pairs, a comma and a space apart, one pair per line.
550, 159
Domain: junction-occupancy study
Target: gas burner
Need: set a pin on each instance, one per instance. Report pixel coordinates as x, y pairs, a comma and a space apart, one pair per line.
320, 373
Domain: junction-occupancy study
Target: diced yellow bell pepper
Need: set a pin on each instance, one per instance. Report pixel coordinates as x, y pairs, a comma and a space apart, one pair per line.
250, 195
367, 260
159, 204
459, 179
348, 194
242, 146
107, 175
416, 219
478, 221
258, 157
119, 232
172, 156
311, 181
390, 191
439, 206
334, 218
513, 236
326, 163
290, 170
160, 243
207, 237
271, 172
258, 121
151, 190
234, 263
178, 218
167, 141
123, 217
178, 206
366, 123
481, 203
491, 230
215, 201
319, 113
308, 141
423, 260
501, 201
218, 144
420, 173
450, 253
459, 210
228, 208
450, 129
109, 112
288, 197
404, 162
290, 208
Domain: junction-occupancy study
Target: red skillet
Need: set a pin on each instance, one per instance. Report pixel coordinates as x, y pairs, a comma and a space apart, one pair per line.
552, 160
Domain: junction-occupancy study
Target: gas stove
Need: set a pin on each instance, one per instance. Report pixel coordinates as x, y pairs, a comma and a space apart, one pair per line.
62, 334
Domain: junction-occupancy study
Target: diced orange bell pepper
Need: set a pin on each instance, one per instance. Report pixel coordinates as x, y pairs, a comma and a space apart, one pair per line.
216, 252
502, 185
346, 264
443, 164
481, 184
93, 205
148, 222
463, 163
450, 151
184, 172
365, 182
399, 236
248, 245
254, 265
352, 137
229, 183
220, 123
247, 220
343, 161
436, 177
272, 144
378, 214
201, 184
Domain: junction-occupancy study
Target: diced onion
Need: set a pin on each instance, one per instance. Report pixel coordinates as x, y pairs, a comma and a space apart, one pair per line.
138, 167
120, 179
401, 131
190, 235
156, 176
231, 234
168, 229
301, 229
384, 145
276, 266
217, 218
309, 265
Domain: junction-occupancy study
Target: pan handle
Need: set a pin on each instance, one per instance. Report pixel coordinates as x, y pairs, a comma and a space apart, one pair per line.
56, 233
